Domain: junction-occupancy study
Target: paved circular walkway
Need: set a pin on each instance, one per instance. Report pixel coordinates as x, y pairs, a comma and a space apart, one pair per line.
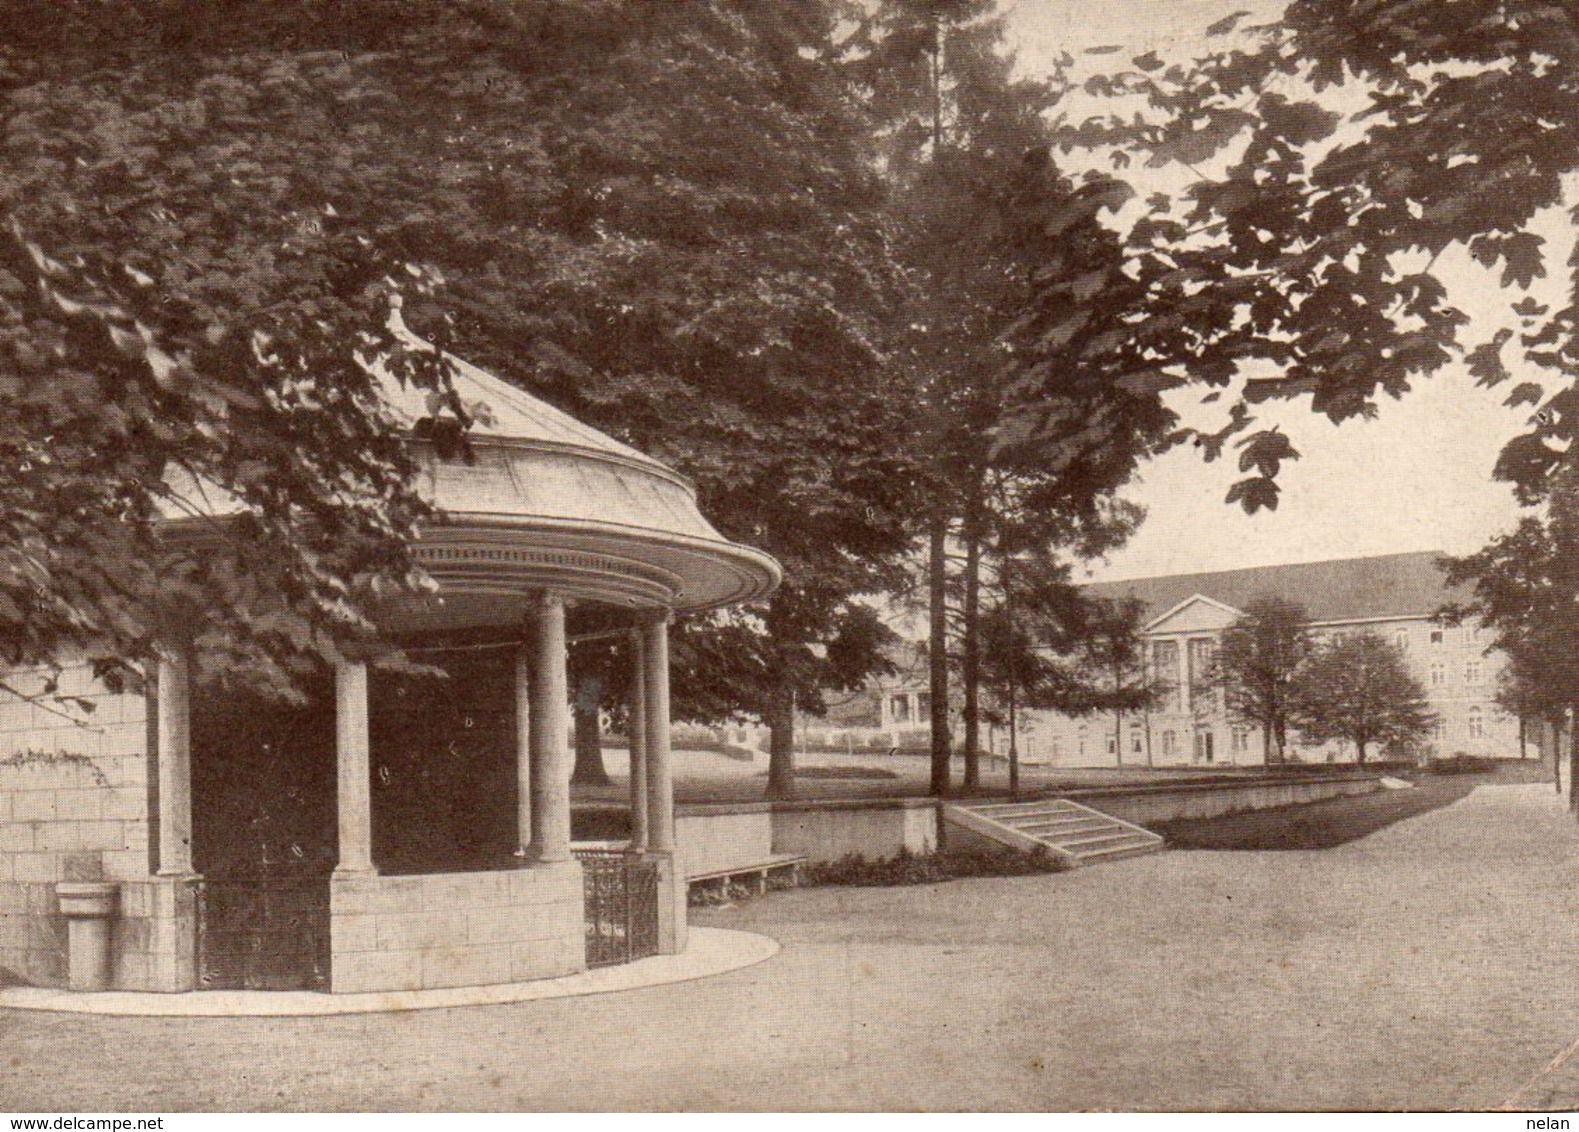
1427, 966
709, 951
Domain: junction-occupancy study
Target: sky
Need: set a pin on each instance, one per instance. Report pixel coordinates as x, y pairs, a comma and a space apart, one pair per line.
1418, 477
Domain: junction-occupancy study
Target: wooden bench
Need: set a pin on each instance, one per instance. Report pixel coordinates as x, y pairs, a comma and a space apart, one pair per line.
779, 862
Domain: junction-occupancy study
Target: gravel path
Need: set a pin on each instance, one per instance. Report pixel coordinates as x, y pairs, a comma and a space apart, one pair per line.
1426, 966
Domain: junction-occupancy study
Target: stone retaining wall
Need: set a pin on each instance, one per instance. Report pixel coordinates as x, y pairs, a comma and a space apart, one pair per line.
1213, 799
713, 842
829, 831
714, 838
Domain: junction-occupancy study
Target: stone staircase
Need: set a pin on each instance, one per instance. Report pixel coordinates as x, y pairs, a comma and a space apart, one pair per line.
1076, 833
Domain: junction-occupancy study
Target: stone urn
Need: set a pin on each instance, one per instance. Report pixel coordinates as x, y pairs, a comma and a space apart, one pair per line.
89, 906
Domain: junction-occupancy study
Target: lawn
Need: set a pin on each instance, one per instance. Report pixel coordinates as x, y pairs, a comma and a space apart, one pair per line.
704, 776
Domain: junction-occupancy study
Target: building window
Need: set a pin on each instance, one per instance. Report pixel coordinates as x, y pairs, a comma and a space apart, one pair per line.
1436, 636
1137, 741
1165, 662
1167, 742
1112, 745
1439, 729
923, 704
1438, 674
1401, 640
1240, 739
1472, 672
1477, 723
1200, 654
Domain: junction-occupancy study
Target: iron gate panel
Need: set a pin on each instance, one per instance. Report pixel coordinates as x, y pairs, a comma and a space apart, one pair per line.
621, 907
263, 933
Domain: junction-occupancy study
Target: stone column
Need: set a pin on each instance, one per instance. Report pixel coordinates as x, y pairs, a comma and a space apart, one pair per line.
174, 741
660, 778
353, 755
636, 732
523, 749
550, 770
1185, 704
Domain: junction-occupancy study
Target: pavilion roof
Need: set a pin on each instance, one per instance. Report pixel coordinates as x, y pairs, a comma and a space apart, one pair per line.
513, 413
545, 499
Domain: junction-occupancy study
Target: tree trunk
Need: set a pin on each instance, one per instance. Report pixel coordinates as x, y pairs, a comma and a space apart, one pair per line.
1118, 719
780, 718
1573, 764
1359, 750
1566, 739
1523, 745
937, 651
589, 769
971, 660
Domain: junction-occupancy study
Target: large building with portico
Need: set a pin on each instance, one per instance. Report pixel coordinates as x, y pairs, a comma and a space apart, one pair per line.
1395, 596
404, 829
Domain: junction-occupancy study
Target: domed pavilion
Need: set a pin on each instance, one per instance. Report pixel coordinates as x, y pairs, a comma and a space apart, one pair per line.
403, 830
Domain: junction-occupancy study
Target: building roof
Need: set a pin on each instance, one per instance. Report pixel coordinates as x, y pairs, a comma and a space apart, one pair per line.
1341, 589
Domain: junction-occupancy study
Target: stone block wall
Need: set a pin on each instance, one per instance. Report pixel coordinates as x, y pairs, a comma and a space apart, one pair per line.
723, 839
153, 939
827, 831
73, 806
713, 838
456, 929
1208, 800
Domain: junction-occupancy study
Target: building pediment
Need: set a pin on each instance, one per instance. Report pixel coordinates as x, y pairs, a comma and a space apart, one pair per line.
1196, 614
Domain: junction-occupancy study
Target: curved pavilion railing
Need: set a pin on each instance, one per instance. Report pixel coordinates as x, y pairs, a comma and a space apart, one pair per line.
621, 906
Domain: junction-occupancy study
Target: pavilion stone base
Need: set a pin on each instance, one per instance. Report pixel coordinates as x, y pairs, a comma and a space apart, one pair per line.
154, 938
456, 929
673, 889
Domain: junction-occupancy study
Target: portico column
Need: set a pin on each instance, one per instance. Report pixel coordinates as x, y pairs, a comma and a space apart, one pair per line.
637, 735
550, 769
660, 780
174, 721
523, 749
353, 758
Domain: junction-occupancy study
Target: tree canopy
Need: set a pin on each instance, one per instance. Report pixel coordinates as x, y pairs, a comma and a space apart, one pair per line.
1525, 589
1257, 662
181, 303
1358, 688
1055, 649
1024, 342
661, 217
1351, 160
